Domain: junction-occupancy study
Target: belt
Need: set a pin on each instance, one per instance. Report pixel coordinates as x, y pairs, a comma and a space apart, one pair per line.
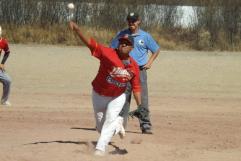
141, 67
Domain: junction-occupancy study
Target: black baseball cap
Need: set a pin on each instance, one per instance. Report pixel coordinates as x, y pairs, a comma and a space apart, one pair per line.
132, 16
127, 38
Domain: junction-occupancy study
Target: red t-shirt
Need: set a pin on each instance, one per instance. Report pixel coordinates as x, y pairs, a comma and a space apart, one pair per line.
113, 75
4, 45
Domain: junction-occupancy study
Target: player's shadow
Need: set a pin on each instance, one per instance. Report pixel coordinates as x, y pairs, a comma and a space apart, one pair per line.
116, 150
134, 132
60, 141
83, 128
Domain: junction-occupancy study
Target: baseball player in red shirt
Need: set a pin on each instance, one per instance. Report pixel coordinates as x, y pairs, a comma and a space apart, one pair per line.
115, 71
4, 77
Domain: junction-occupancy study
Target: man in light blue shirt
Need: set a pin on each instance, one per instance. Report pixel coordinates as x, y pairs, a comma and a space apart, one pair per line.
143, 43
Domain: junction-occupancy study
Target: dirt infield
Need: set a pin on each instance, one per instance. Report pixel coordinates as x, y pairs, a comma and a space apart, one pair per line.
195, 102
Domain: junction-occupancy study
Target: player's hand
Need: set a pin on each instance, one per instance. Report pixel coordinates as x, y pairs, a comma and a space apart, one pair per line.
147, 66
73, 25
2, 67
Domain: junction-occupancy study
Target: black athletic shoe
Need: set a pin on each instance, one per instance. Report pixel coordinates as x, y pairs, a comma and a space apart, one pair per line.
147, 131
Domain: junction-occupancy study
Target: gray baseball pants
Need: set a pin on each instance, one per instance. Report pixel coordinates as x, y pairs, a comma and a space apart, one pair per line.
144, 123
6, 81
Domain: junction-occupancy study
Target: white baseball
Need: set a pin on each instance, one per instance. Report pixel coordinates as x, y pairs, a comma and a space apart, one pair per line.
71, 6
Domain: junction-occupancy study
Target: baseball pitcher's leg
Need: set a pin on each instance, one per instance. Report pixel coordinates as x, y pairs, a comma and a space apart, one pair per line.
125, 110
99, 106
6, 81
145, 124
111, 122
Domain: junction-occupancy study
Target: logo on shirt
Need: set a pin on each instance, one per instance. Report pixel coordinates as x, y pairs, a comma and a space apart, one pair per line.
110, 80
119, 76
141, 42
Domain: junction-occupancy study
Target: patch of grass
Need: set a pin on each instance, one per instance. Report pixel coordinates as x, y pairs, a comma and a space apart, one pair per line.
57, 34
169, 39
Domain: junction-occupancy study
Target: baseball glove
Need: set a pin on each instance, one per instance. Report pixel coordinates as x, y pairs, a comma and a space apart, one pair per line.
140, 112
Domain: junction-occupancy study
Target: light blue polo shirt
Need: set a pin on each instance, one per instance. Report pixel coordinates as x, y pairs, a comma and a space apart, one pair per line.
143, 42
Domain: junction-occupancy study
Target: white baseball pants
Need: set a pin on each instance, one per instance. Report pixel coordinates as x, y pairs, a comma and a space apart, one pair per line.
106, 111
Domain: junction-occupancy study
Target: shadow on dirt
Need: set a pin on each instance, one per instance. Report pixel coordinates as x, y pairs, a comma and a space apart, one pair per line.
117, 150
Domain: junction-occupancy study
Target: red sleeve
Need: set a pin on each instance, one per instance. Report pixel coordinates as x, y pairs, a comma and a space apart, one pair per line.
135, 82
5, 46
95, 48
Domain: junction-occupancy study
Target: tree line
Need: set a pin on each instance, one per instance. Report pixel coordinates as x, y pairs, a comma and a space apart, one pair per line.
214, 24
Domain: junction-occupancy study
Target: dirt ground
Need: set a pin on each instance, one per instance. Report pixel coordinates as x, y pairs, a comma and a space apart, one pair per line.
195, 102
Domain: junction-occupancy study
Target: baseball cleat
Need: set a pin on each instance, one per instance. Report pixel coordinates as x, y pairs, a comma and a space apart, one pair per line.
147, 131
6, 103
99, 153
